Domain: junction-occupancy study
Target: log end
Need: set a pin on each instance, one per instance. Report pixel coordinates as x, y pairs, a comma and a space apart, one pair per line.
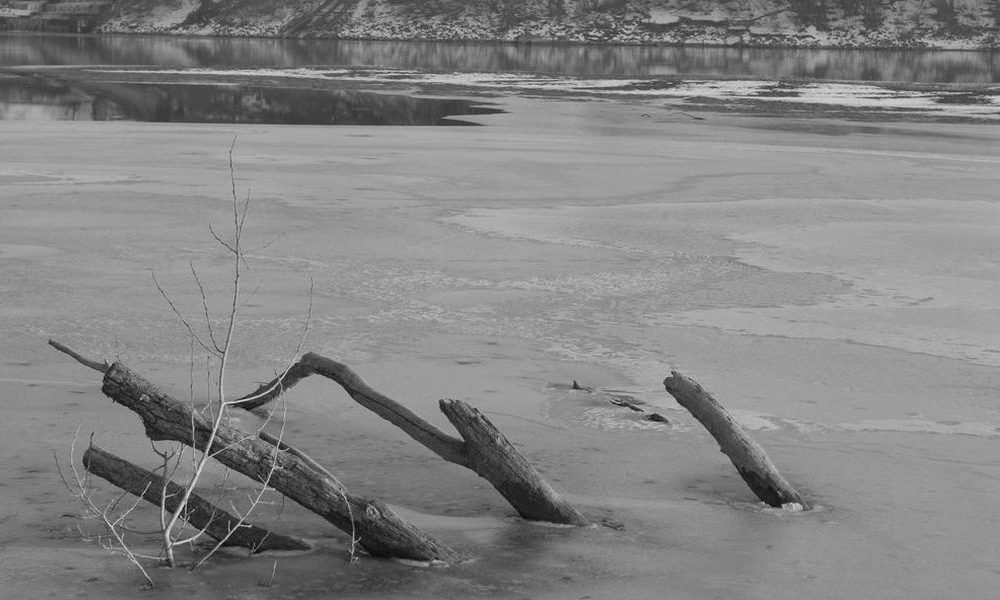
678, 385
773, 493
396, 538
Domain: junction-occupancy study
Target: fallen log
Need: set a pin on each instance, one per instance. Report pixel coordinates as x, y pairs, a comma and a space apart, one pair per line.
200, 513
483, 448
747, 456
379, 530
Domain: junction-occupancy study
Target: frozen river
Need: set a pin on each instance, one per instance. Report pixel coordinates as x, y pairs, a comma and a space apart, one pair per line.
833, 283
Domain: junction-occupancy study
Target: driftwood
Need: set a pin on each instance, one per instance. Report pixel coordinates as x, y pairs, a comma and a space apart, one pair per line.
494, 458
200, 513
483, 448
380, 531
747, 456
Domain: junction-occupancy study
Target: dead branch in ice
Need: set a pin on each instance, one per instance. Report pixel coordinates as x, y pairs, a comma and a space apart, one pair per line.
734, 440
199, 513
483, 449
112, 516
382, 533
372, 524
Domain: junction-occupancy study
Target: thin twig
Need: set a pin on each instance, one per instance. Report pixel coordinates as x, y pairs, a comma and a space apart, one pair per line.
182, 318
276, 386
219, 239
254, 502
93, 364
277, 443
204, 305
81, 490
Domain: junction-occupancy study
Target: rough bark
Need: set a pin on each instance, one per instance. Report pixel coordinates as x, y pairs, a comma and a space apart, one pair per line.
200, 513
484, 449
494, 458
747, 456
381, 532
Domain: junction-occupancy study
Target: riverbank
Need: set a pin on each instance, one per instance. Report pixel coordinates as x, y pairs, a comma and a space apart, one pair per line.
719, 36
969, 24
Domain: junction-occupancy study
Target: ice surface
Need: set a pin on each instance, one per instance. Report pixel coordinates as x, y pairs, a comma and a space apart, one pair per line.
787, 271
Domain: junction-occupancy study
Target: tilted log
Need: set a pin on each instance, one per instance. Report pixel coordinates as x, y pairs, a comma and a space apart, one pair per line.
380, 531
490, 454
747, 456
200, 513
484, 449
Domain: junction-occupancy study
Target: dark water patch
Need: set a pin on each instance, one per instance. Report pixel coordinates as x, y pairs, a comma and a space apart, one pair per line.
561, 59
779, 90
647, 85
969, 98
835, 129
42, 97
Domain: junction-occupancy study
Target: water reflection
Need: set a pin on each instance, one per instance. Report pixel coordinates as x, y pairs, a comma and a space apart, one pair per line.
583, 61
47, 98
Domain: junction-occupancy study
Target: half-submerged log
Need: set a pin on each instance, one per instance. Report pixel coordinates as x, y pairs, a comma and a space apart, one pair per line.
379, 530
200, 513
484, 450
490, 454
747, 456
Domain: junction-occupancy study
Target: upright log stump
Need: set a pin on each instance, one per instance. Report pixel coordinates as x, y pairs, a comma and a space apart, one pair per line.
734, 440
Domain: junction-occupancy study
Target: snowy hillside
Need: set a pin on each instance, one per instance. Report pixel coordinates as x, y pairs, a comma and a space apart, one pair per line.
850, 23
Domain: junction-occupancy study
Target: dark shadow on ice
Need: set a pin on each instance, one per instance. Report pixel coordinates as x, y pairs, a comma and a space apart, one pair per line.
35, 97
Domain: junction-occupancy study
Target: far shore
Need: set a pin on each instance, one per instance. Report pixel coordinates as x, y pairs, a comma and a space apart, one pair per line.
975, 39
833, 40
